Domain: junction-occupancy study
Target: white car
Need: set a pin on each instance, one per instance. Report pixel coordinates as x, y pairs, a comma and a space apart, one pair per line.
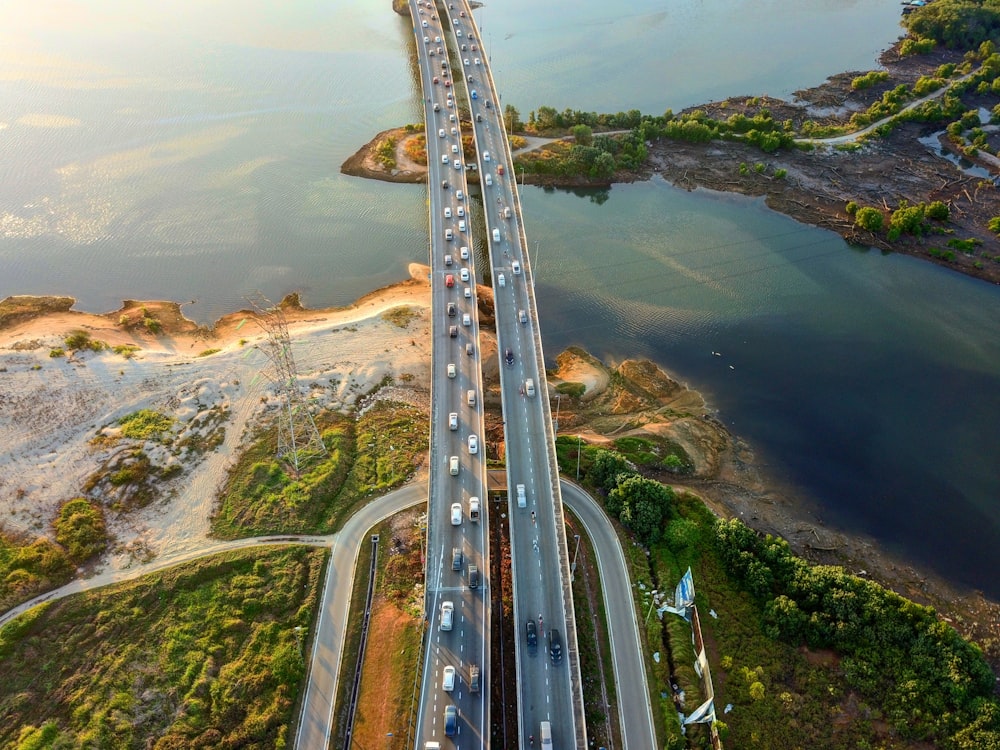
454, 148
468, 292
448, 679
486, 155
451, 369
466, 320
464, 252
444, 158
441, 133
461, 212
447, 615
473, 448
478, 61
453, 421
465, 61
447, 212
515, 266
456, 514
424, 22
460, 195
463, 274
454, 131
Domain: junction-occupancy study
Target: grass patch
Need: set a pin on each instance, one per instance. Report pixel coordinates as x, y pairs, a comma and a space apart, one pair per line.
30, 566
80, 340
654, 452
80, 529
224, 668
576, 390
145, 424
262, 495
367, 456
125, 350
209, 352
401, 316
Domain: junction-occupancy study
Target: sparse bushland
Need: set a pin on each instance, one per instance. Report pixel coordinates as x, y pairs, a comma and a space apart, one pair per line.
223, 670
811, 656
30, 566
81, 340
367, 455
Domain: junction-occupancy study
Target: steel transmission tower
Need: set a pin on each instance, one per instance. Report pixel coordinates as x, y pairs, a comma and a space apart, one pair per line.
298, 438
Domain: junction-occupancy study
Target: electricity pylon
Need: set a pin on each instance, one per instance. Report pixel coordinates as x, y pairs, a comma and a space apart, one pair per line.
298, 438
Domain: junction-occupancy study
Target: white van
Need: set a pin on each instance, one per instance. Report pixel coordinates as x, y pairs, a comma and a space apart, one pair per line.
545, 735
529, 387
489, 179
496, 234
522, 500
453, 466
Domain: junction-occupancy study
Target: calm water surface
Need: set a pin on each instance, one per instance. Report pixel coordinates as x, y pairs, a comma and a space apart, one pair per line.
191, 151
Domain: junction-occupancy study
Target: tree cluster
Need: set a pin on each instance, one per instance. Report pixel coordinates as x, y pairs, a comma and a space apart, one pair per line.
931, 684
956, 24
642, 505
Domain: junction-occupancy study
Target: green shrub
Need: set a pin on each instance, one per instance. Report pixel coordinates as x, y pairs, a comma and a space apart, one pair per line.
80, 529
869, 218
145, 424
57, 352
869, 79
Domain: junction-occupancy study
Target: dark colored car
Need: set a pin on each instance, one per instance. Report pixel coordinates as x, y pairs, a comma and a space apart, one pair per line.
508, 356
555, 646
452, 309
473, 576
453, 332
532, 634
450, 721
444, 184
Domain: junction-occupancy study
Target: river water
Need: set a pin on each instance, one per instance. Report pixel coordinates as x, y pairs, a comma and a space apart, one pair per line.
191, 151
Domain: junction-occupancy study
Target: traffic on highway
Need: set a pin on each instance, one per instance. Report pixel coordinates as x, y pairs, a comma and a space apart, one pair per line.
454, 707
459, 93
